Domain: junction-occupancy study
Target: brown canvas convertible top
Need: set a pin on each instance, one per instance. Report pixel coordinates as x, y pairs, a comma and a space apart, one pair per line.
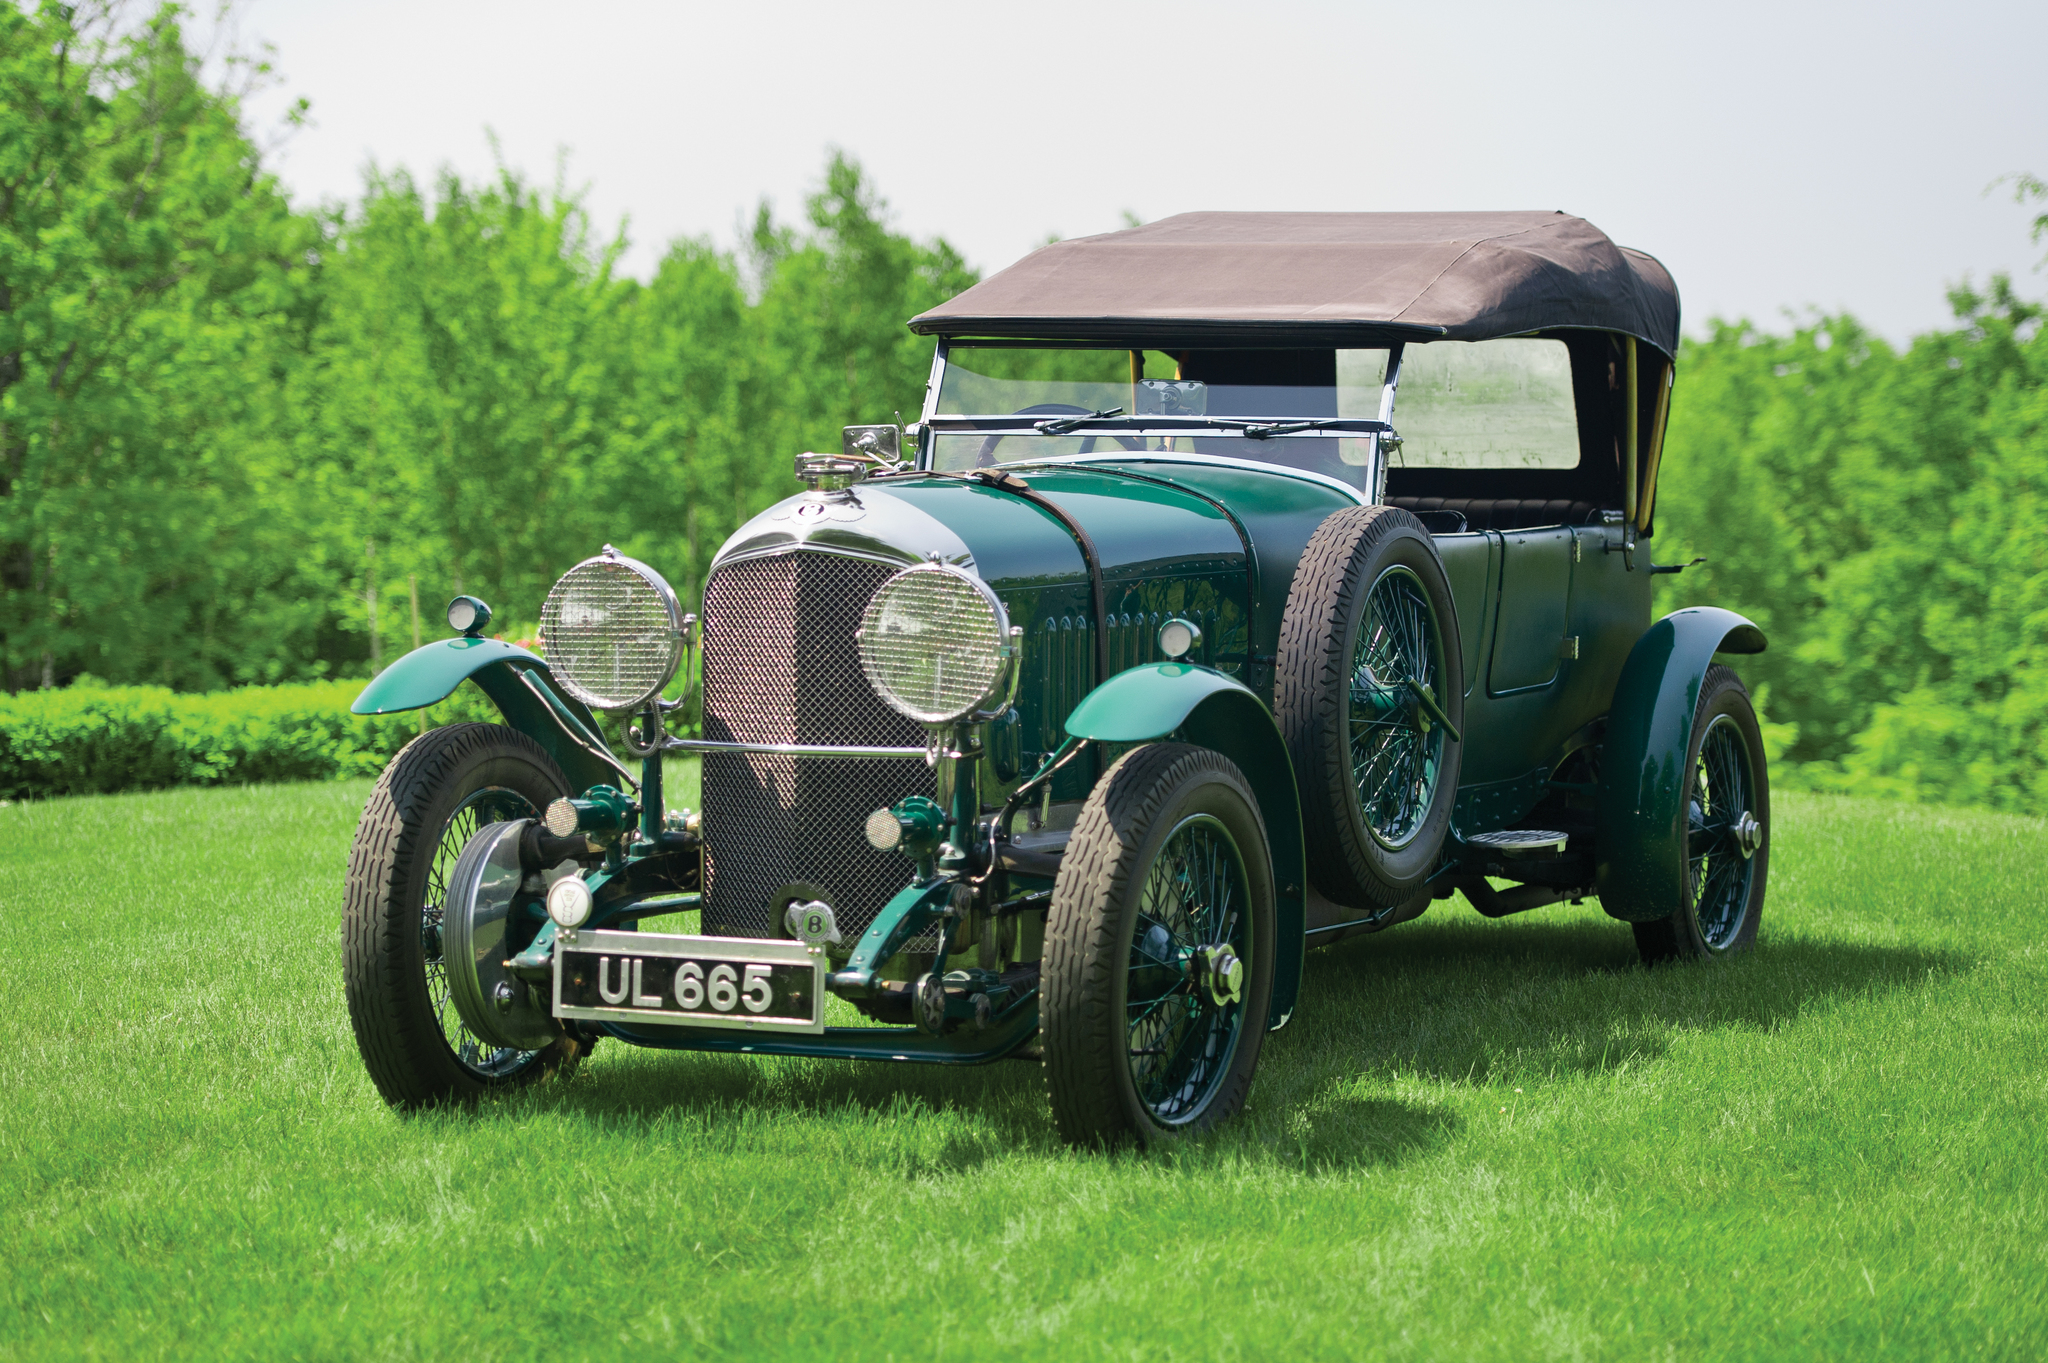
1322, 279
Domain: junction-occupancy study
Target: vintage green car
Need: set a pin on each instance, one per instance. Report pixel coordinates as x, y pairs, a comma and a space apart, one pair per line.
1058, 726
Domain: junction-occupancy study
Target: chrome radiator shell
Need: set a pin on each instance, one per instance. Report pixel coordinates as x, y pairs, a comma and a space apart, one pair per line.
781, 666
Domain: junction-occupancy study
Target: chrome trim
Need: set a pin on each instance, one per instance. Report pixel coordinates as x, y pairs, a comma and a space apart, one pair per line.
863, 522
931, 397
1007, 647
663, 593
800, 547
1175, 457
790, 749
1389, 443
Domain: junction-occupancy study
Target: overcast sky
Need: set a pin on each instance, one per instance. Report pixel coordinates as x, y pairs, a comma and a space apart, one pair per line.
1775, 156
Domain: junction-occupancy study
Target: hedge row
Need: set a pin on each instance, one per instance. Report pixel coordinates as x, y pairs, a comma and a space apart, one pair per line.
90, 739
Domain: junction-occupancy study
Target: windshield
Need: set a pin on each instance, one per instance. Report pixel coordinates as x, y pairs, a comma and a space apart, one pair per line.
1134, 398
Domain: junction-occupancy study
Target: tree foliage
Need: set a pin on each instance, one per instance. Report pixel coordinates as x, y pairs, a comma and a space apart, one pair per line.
154, 292
234, 434
1880, 513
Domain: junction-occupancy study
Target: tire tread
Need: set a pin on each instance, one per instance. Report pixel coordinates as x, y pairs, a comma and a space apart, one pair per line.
1084, 947
1311, 699
400, 1041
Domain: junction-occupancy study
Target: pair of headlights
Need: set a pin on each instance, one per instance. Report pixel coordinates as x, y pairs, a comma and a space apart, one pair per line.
934, 641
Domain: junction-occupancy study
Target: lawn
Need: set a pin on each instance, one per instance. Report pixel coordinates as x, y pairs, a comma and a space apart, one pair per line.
1476, 1140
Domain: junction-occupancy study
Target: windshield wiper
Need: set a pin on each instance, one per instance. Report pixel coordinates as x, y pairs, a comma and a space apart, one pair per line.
1259, 431
1060, 425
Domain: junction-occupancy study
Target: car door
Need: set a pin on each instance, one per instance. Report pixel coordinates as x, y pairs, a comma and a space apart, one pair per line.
1471, 566
1531, 636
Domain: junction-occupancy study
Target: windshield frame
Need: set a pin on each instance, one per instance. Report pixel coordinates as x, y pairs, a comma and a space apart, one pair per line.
1380, 428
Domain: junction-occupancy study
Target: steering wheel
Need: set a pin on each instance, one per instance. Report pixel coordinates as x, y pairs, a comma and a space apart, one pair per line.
983, 456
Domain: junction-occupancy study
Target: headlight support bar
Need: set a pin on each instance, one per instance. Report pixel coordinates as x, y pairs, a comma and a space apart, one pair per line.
706, 745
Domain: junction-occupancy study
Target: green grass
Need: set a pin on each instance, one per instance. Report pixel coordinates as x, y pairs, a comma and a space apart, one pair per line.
1477, 1140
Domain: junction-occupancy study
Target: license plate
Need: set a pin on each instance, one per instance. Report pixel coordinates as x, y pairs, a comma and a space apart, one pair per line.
649, 977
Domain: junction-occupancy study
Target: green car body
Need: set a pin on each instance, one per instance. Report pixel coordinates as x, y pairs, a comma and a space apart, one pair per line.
1575, 704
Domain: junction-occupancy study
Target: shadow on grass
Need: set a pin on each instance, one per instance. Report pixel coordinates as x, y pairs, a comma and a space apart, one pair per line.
1465, 1001
929, 1120
1458, 1003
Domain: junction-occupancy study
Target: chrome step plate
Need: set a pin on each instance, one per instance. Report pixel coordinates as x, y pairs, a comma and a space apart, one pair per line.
1521, 842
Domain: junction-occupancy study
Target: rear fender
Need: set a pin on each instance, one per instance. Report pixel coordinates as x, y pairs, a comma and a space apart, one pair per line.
518, 683
1218, 712
1641, 848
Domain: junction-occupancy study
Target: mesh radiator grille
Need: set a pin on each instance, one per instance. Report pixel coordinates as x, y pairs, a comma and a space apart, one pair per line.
781, 666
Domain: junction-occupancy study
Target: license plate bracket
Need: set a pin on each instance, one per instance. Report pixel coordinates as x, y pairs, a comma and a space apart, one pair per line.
665, 979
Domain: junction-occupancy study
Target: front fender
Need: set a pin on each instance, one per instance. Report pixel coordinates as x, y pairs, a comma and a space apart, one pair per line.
432, 671
519, 684
1641, 857
1218, 712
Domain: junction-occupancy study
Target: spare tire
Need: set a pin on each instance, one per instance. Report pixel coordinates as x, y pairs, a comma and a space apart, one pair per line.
1368, 671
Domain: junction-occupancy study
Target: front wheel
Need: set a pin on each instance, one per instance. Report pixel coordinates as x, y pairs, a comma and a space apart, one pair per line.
1159, 951
1727, 831
436, 794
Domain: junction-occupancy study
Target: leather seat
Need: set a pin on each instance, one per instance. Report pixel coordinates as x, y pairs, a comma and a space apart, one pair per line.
1504, 513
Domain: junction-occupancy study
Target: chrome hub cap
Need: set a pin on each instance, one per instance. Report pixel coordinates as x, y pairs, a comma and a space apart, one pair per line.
1220, 974
1749, 834
493, 804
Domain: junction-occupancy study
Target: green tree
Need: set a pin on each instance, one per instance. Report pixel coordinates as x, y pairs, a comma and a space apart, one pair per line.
829, 328
154, 286
1879, 513
461, 385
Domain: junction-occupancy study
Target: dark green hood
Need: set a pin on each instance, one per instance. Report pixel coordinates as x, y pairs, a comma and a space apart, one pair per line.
1212, 540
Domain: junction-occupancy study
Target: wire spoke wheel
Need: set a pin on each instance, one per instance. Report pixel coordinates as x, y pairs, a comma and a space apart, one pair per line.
431, 801
493, 804
1719, 873
1718, 869
1192, 903
1369, 694
1396, 749
1159, 951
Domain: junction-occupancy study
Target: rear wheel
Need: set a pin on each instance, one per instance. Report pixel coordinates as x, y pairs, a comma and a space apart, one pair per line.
1727, 820
1159, 951
1369, 669
436, 794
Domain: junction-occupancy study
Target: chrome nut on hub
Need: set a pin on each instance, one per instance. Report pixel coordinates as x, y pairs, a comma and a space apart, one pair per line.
1749, 834
1222, 975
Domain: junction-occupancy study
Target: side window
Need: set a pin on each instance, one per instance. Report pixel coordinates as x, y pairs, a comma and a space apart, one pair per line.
1503, 404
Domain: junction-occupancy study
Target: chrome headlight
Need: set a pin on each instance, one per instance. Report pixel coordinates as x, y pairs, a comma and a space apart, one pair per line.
936, 643
613, 632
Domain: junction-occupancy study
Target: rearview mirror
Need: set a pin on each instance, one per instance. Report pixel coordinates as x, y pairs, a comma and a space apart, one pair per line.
877, 444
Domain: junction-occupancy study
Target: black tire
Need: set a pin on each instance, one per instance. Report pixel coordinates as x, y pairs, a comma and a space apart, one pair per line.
1724, 885
1378, 855
441, 788
1162, 798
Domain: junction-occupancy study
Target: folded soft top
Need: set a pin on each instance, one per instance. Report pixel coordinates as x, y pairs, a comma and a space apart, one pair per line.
1319, 279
